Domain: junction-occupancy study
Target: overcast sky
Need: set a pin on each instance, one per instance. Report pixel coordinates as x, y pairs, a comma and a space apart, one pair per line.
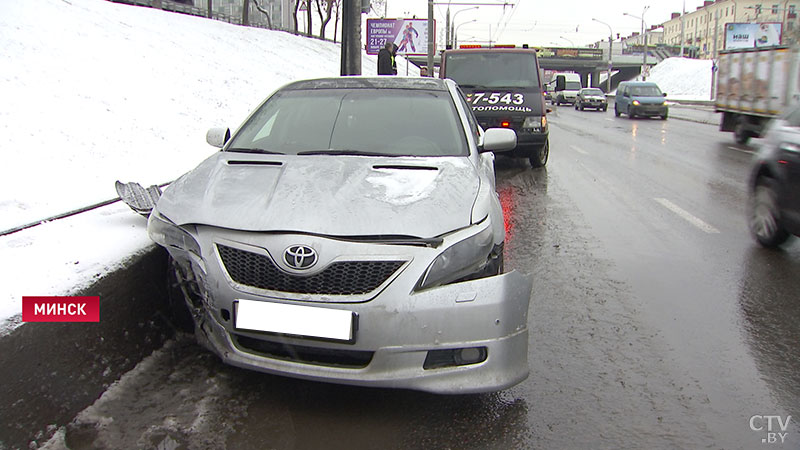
543, 23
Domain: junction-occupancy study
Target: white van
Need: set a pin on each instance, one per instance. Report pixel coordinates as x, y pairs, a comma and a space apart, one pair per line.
565, 87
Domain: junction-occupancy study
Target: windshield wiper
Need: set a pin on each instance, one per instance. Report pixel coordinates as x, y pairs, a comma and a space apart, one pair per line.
253, 150
342, 152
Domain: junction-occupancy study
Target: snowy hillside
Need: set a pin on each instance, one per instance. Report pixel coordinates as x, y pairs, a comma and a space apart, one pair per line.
683, 78
94, 91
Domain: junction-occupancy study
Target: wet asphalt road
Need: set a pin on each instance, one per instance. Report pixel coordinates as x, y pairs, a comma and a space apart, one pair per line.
655, 322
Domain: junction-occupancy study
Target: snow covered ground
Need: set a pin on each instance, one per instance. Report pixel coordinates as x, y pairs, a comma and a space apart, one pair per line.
93, 91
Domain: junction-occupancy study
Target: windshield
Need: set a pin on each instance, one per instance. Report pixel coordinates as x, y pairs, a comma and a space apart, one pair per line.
572, 85
493, 69
372, 122
645, 91
592, 92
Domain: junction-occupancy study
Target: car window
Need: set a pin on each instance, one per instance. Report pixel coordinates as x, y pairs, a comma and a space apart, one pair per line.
645, 91
493, 69
391, 122
473, 123
592, 92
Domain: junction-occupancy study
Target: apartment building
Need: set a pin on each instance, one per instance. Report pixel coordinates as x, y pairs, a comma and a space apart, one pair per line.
703, 30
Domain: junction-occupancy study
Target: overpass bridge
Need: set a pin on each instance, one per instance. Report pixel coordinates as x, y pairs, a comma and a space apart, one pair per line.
590, 63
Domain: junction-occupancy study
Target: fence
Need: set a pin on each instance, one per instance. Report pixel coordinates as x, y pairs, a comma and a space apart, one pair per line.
217, 13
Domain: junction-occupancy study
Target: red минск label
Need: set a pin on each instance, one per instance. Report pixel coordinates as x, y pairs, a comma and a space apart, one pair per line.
61, 309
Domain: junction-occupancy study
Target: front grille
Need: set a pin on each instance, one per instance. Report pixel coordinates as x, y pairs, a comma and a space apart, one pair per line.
339, 278
354, 359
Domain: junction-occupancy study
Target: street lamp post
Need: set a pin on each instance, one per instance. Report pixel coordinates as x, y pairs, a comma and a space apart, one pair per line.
644, 37
570, 42
610, 40
455, 31
450, 25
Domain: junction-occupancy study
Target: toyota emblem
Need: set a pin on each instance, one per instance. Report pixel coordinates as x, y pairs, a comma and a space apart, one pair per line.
300, 257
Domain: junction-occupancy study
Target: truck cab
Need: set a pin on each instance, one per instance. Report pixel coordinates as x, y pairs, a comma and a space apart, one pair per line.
504, 88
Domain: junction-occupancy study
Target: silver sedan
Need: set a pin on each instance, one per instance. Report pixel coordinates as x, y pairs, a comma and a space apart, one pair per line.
350, 232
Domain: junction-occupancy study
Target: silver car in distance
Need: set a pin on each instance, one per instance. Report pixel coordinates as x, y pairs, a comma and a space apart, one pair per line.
350, 232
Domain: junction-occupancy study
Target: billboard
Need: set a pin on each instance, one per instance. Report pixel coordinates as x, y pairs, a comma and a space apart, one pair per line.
410, 35
750, 35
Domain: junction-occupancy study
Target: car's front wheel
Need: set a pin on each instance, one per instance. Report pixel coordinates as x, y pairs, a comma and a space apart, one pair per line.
765, 218
539, 159
616, 111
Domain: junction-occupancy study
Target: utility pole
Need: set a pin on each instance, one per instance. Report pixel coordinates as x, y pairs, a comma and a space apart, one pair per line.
714, 57
683, 14
610, 49
210, 9
351, 37
431, 43
245, 12
447, 36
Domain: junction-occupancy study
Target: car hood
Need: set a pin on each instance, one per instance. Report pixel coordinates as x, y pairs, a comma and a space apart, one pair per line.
332, 195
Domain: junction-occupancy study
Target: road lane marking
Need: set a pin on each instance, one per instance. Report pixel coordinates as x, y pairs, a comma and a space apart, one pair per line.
579, 150
685, 215
749, 152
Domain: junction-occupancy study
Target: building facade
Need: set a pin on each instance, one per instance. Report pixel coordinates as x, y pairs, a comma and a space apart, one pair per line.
703, 30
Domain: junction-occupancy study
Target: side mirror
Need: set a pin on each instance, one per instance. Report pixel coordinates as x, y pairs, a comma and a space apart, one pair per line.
548, 110
665, 94
499, 140
217, 137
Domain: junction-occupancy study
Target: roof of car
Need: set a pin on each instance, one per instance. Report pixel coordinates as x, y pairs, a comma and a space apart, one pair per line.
358, 82
639, 83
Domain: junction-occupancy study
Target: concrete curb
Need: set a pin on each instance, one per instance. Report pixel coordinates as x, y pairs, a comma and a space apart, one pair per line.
52, 371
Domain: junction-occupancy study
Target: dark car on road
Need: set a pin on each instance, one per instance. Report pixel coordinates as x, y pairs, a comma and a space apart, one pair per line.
640, 98
591, 98
505, 91
774, 207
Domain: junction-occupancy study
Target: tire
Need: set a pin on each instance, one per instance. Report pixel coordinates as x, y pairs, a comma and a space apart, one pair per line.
576, 106
764, 214
605, 108
664, 117
630, 116
616, 111
582, 108
541, 156
740, 134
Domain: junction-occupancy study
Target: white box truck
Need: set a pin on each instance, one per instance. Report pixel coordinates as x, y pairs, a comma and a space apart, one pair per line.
753, 86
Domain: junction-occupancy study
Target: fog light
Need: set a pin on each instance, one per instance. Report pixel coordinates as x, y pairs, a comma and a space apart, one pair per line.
453, 357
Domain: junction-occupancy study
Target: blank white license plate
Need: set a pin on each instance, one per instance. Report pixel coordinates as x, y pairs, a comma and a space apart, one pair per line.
294, 319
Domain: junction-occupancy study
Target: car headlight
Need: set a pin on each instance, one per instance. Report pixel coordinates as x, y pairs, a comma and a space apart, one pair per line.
635, 103
461, 259
166, 234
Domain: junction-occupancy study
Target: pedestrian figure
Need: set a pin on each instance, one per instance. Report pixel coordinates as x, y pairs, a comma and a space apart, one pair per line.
394, 59
386, 60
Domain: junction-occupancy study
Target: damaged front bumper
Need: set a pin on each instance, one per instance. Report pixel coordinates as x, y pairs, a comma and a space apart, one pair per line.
467, 337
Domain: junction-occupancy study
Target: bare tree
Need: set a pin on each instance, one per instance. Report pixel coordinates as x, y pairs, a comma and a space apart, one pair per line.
308, 18
294, 16
326, 17
338, 14
265, 12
